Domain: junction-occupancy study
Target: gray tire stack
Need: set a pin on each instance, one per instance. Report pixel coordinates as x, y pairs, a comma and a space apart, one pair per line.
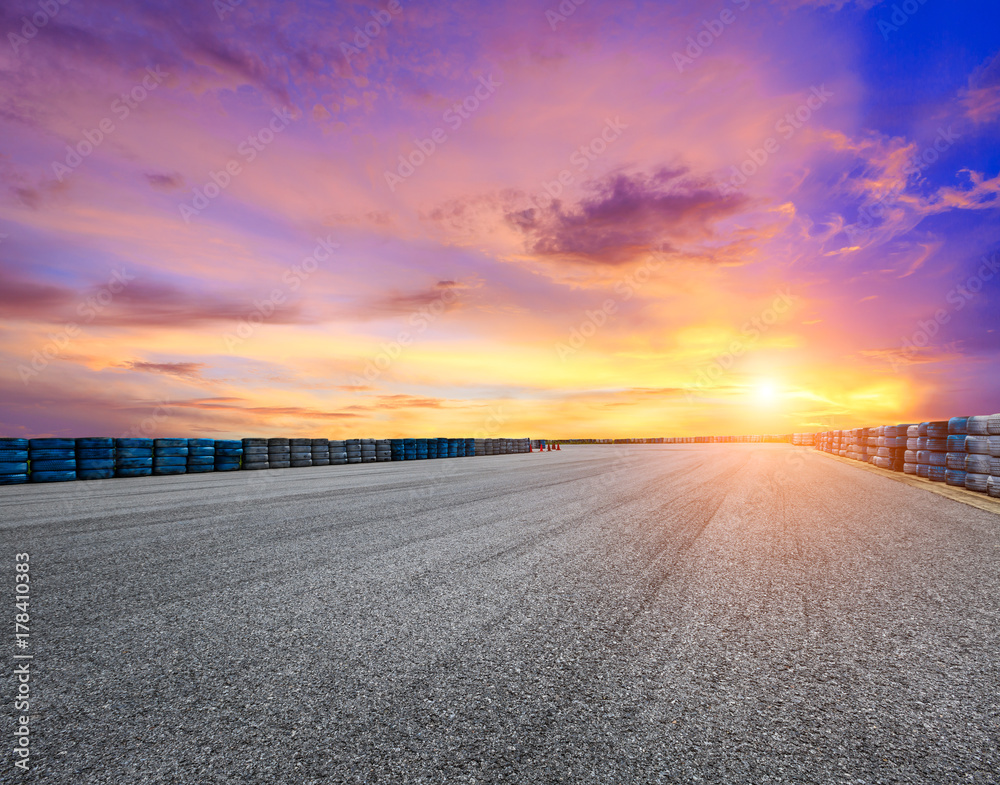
279, 453
300, 453
368, 451
480, 447
338, 452
993, 484
353, 450
923, 454
320, 452
255, 454
977, 459
383, 450
910, 461
488, 446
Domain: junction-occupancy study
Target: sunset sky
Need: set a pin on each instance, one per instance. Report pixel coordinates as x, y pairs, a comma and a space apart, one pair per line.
496, 218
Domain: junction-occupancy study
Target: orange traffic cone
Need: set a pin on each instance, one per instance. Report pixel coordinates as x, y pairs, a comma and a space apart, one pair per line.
529, 447
558, 448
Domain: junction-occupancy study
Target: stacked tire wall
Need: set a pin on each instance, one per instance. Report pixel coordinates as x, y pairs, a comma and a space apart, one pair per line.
96, 458
963, 452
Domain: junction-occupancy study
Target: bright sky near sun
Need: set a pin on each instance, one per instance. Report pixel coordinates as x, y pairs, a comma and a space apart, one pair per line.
507, 218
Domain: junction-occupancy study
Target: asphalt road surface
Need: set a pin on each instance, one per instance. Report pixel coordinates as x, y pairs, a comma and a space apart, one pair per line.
675, 614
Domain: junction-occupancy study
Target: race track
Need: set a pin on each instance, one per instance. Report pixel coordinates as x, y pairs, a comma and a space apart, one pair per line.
730, 613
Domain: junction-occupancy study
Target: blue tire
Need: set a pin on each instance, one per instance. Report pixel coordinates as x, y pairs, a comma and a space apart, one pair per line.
8, 443
142, 444
937, 429
53, 466
201, 443
13, 456
201, 460
201, 451
226, 467
52, 444
228, 444
136, 471
52, 455
170, 452
170, 470
52, 476
936, 473
958, 425
92, 465
133, 452
169, 460
200, 469
13, 479
134, 463
170, 443
95, 474
95, 443
228, 452
14, 467
91, 455
955, 477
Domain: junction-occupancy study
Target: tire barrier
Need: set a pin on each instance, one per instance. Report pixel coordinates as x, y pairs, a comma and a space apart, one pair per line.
255, 454
170, 456
300, 453
13, 461
279, 453
228, 454
51, 460
320, 452
95, 458
963, 452
201, 456
956, 452
338, 452
133, 457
